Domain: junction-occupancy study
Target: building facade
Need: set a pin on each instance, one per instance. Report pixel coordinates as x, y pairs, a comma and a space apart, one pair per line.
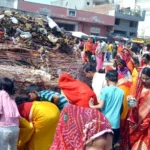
126, 19
72, 19
143, 26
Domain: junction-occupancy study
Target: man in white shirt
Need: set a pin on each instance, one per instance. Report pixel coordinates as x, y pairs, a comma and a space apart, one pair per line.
98, 79
103, 44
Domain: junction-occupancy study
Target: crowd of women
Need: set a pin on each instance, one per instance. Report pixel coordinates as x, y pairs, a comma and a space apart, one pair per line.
114, 111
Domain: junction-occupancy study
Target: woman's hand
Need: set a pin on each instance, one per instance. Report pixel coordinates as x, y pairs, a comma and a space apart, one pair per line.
129, 97
91, 102
132, 103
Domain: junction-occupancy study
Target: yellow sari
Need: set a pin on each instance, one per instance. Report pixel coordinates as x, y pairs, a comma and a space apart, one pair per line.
44, 117
26, 131
134, 75
124, 85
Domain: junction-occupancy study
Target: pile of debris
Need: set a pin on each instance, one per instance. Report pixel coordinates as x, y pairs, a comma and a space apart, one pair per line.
33, 50
32, 33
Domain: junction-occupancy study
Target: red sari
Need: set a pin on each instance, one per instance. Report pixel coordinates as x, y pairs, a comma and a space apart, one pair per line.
139, 136
138, 124
77, 92
79, 126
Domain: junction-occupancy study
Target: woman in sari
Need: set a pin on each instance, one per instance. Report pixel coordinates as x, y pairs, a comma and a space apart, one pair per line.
124, 85
37, 131
99, 56
139, 115
82, 128
123, 69
145, 60
135, 73
126, 54
75, 91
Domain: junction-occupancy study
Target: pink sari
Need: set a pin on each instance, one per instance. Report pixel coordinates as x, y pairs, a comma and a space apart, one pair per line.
99, 57
99, 60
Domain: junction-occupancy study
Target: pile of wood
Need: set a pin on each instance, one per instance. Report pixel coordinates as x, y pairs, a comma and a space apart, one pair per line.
35, 60
27, 66
12, 55
32, 33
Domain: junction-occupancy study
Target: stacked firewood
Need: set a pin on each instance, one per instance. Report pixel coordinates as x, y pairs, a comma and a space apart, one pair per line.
18, 63
32, 53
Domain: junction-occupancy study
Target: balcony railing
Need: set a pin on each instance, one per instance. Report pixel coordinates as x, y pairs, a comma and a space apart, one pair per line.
131, 12
128, 13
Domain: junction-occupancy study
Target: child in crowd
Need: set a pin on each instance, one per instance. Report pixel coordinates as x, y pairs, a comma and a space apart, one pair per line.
110, 102
123, 69
9, 116
47, 95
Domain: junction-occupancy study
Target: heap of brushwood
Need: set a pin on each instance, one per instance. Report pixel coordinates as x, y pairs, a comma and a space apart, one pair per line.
34, 59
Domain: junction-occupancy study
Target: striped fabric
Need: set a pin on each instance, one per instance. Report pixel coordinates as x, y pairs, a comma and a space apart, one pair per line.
47, 95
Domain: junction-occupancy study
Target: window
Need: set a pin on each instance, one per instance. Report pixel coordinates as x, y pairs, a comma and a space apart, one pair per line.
133, 24
72, 13
117, 21
132, 34
88, 3
67, 27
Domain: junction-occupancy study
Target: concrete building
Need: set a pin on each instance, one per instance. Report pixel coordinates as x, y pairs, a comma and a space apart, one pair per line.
126, 19
137, 5
9, 3
72, 19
